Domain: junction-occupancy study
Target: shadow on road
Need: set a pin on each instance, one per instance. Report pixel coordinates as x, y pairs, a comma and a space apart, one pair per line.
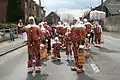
94, 53
30, 77
103, 49
71, 63
38, 76
43, 62
56, 62
83, 76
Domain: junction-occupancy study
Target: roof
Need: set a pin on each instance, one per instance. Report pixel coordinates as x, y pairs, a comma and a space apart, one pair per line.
113, 8
53, 13
111, 2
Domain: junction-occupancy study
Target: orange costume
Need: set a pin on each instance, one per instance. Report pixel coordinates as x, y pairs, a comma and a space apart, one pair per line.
68, 44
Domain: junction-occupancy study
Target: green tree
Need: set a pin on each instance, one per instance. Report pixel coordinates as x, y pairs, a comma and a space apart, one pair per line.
14, 11
38, 20
86, 13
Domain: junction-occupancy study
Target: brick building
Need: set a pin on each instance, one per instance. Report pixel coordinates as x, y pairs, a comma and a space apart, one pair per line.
29, 6
3, 4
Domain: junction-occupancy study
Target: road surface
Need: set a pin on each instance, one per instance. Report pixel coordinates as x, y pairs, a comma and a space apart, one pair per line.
104, 64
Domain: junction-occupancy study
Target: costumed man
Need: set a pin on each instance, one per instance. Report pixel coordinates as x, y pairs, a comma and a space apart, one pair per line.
43, 46
78, 38
98, 32
49, 35
32, 38
56, 49
43, 33
59, 31
68, 44
88, 26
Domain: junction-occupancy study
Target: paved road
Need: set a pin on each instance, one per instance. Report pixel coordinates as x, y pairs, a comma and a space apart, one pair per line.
103, 65
13, 67
108, 57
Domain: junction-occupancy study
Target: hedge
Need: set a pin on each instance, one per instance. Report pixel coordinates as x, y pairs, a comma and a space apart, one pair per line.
8, 25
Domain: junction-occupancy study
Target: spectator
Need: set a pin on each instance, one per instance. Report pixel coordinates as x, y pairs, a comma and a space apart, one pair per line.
20, 26
11, 35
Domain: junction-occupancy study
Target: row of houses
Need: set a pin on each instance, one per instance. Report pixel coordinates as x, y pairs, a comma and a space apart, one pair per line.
112, 10
29, 6
110, 7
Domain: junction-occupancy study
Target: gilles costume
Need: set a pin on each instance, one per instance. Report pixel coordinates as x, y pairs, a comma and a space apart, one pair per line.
68, 44
56, 49
78, 38
32, 37
98, 32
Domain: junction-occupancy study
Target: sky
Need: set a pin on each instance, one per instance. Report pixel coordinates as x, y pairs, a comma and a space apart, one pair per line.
56, 5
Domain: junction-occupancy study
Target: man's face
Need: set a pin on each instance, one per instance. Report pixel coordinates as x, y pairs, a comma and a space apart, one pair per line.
40, 26
45, 24
20, 21
31, 21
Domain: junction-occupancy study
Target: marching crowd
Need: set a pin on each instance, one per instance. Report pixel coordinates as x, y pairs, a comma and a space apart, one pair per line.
74, 38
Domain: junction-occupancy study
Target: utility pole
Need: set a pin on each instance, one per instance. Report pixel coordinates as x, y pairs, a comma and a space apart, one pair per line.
101, 5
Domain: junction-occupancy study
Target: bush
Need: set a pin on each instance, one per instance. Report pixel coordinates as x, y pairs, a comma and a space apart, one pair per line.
38, 20
7, 25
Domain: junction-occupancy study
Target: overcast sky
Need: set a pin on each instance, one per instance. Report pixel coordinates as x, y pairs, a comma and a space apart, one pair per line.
53, 5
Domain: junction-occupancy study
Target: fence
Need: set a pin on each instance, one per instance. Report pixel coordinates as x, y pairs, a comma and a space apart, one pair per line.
5, 33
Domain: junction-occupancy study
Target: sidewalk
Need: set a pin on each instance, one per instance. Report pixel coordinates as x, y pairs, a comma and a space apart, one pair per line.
8, 46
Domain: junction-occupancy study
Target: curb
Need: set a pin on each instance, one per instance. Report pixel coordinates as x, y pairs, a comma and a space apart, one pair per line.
12, 50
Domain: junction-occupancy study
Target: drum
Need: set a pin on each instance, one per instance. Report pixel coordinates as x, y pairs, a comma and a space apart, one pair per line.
43, 55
